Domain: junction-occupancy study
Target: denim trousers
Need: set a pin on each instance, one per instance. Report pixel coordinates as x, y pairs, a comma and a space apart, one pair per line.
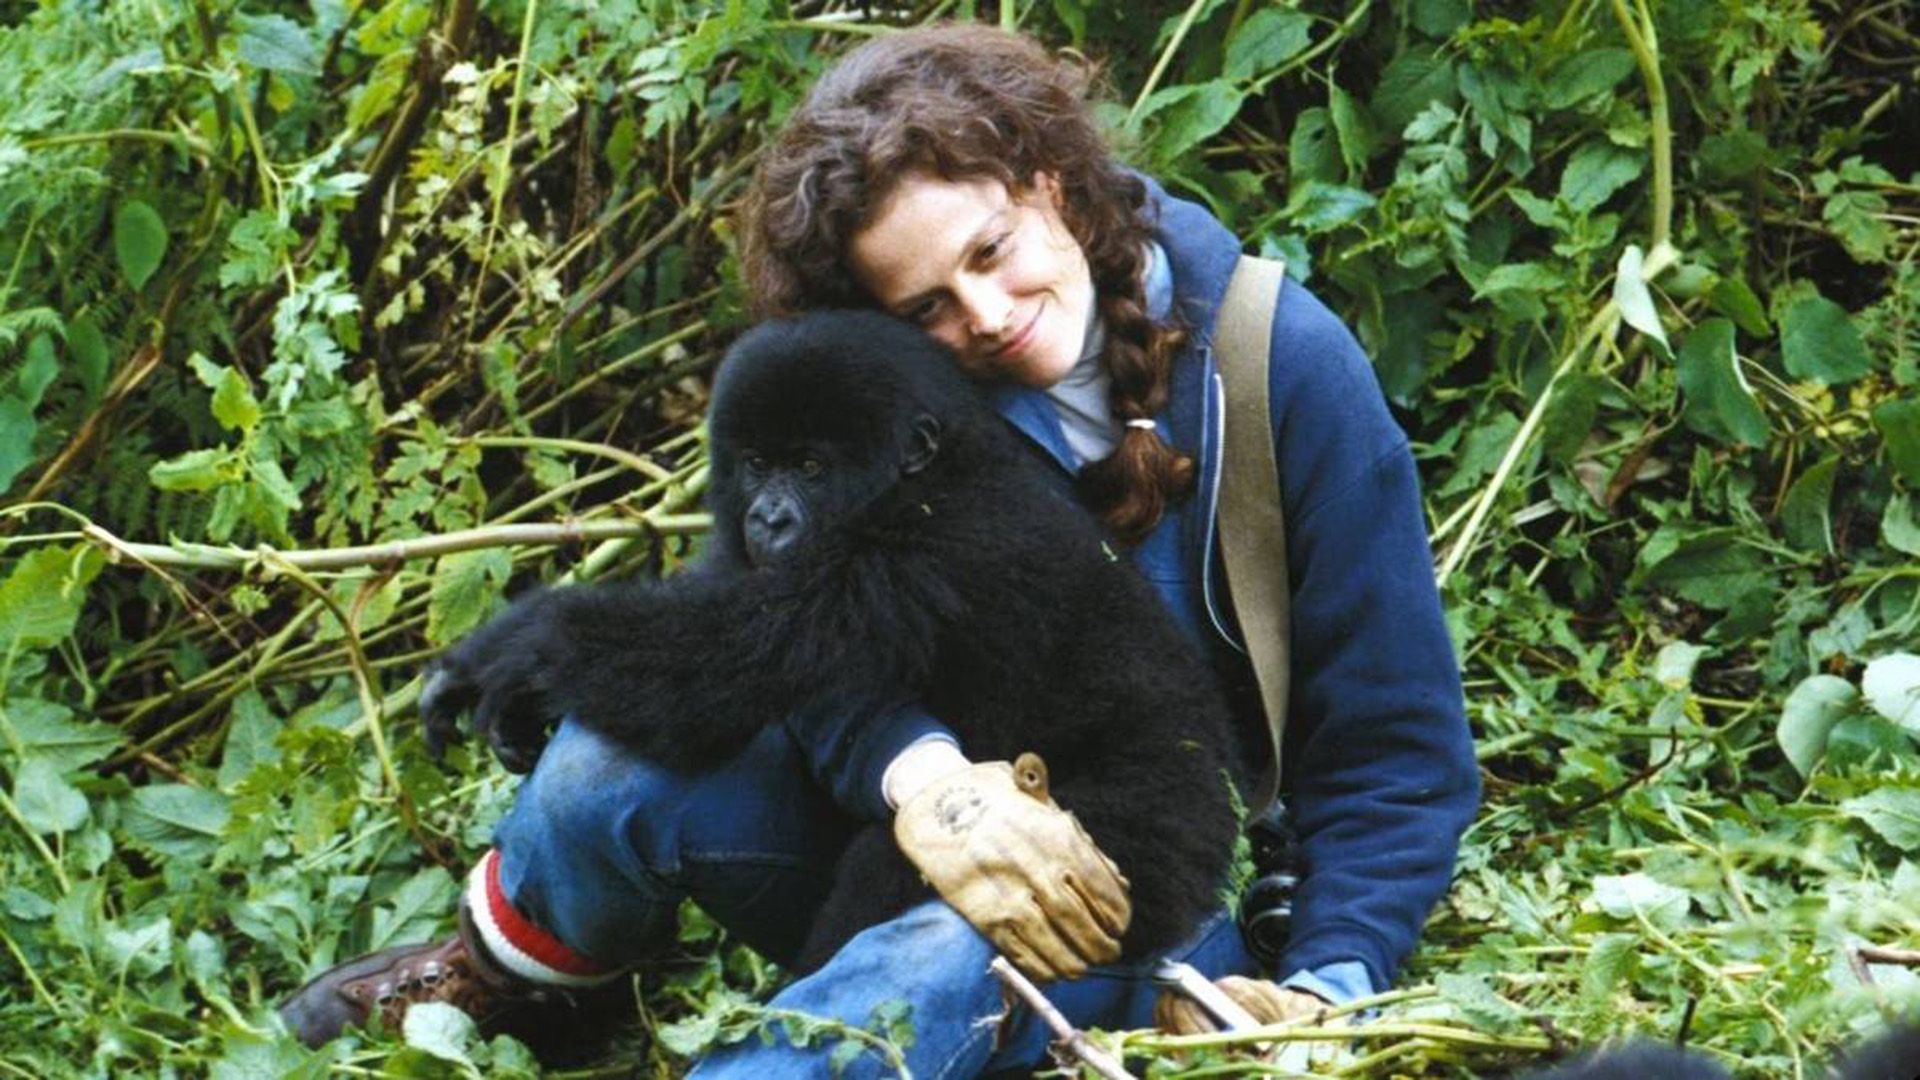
601, 847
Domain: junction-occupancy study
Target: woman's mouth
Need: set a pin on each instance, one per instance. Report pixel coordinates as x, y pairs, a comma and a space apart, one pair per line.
1019, 342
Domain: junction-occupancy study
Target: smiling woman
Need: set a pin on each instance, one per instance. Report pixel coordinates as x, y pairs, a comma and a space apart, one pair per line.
992, 272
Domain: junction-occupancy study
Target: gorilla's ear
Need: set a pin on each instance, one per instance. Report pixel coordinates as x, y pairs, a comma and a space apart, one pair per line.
923, 442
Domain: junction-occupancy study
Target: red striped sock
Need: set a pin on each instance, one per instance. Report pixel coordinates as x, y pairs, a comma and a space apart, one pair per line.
521, 947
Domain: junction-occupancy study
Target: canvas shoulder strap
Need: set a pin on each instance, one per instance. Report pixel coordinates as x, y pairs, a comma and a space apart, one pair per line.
1253, 534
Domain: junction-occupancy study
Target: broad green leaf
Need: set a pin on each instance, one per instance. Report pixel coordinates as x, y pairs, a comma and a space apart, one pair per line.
1819, 341
416, 911
197, 470
1858, 218
250, 739
40, 600
1712, 569
142, 951
17, 430
1900, 526
139, 241
465, 586
1354, 129
1586, 75
47, 731
1811, 710
1731, 157
1807, 515
1636, 302
1610, 962
37, 372
1268, 38
1891, 685
1311, 152
1440, 18
1731, 297
90, 359
248, 1058
47, 803
233, 402
1622, 897
1718, 402
1194, 114
177, 820
277, 43
1520, 277
1411, 83
1474, 996
441, 1030
1318, 207
1892, 812
1673, 665
1899, 424
690, 1036
1595, 172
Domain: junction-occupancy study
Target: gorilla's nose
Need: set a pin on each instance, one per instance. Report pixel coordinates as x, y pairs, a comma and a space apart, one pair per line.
771, 530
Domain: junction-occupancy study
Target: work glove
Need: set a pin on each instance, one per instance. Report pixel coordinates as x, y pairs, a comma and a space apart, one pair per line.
1266, 1002
995, 846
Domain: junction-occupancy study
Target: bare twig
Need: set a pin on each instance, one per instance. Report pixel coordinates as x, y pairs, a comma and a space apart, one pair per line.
1075, 1040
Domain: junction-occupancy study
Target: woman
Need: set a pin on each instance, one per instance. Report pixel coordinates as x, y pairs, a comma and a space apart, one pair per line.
953, 176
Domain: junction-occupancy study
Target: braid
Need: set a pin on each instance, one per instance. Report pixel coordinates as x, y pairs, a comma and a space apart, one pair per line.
1130, 488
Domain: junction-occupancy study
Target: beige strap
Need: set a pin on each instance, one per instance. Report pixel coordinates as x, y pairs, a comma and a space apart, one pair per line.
1253, 533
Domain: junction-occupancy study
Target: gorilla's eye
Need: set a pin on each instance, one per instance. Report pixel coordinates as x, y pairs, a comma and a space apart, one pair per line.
755, 464
810, 466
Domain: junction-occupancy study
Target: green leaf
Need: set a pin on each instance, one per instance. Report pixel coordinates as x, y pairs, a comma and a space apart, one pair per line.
1673, 665
40, 600
47, 803
690, 1036
1899, 424
37, 372
1595, 172
277, 43
89, 350
1811, 710
17, 431
1732, 157
1891, 684
1635, 301
197, 470
1268, 38
1190, 115
1411, 83
1900, 526
465, 586
47, 731
1520, 277
249, 1058
1819, 341
177, 820
1311, 153
1807, 516
416, 911
1318, 207
1474, 996
250, 739
1625, 896
139, 241
1858, 219
441, 1030
1354, 129
233, 402
1611, 962
1892, 812
1587, 74
1731, 297
1712, 569
1718, 402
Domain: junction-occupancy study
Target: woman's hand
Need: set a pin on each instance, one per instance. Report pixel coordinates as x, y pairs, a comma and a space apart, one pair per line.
1266, 1002
993, 844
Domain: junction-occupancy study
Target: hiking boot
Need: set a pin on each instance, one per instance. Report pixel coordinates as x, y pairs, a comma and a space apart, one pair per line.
458, 971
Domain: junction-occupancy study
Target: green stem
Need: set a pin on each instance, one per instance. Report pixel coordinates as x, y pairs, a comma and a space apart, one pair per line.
1640, 38
1166, 57
501, 173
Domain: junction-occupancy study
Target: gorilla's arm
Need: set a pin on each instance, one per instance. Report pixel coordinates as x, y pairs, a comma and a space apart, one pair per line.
687, 670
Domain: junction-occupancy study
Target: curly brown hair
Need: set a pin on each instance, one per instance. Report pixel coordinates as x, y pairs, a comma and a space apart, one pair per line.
965, 102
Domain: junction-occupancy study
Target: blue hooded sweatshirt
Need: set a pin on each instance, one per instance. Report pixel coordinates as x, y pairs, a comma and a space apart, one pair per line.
1379, 765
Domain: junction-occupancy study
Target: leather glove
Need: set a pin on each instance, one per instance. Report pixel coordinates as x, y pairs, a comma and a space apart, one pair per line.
1266, 1002
1022, 871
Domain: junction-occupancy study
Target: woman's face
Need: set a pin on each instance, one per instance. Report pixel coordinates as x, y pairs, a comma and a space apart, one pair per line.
991, 272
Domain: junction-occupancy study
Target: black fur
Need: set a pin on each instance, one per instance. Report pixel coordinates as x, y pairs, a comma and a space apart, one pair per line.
1895, 1055
969, 583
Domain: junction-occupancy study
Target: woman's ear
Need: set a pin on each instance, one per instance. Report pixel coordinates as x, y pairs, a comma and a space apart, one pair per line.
1047, 185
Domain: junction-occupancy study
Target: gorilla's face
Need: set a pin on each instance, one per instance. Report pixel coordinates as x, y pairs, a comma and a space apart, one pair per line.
813, 421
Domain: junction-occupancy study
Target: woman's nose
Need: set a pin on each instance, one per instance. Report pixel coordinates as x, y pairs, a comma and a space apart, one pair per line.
986, 308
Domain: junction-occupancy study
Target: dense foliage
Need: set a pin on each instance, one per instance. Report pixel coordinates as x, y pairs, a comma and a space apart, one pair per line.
323, 324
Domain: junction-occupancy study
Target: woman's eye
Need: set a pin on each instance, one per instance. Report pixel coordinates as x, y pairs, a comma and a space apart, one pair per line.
993, 249
922, 313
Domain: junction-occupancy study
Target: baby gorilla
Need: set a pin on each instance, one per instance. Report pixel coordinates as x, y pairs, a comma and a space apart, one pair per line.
881, 538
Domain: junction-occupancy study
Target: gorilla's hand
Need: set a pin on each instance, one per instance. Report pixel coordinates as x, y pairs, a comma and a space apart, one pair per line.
505, 672
993, 843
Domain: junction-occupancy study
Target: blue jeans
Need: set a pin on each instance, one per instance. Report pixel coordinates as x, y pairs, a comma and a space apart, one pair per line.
601, 847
